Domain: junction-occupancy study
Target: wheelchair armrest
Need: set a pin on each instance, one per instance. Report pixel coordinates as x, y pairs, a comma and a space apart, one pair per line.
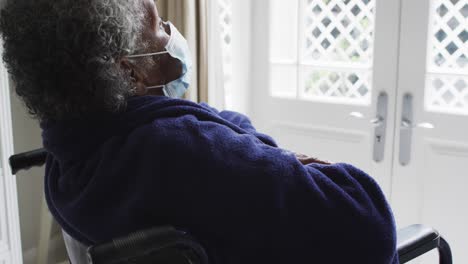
417, 240
157, 245
27, 160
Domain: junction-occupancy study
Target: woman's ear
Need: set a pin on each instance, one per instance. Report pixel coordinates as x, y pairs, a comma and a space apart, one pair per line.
136, 78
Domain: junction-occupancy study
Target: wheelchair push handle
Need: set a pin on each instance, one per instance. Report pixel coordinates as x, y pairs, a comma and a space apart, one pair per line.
27, 160
160, 245
416, 240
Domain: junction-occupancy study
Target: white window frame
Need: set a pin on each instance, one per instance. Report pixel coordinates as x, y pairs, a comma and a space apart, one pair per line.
10, 237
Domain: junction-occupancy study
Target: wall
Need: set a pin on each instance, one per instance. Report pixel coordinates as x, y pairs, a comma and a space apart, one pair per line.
27, 136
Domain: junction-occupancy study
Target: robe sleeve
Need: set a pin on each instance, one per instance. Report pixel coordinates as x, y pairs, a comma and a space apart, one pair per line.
232, 191
243, 122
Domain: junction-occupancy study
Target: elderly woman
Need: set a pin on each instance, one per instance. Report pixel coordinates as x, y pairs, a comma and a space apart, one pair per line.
105, 78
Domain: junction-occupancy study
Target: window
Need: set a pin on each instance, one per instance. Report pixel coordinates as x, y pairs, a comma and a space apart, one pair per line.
322, 50
447, 62
225, 16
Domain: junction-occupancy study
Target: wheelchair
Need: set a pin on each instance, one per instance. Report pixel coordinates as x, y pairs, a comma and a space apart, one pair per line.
167, 245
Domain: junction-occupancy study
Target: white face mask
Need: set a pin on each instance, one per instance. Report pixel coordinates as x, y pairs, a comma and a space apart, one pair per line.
178, 48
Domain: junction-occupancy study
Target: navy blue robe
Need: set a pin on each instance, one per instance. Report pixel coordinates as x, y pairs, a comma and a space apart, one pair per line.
172, 162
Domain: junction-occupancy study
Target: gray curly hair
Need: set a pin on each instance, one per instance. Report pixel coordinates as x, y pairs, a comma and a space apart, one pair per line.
62, 54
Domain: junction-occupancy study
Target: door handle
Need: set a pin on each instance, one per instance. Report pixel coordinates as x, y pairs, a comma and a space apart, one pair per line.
406, 130
380, 124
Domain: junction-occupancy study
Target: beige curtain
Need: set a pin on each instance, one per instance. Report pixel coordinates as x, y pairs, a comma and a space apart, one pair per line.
198, 21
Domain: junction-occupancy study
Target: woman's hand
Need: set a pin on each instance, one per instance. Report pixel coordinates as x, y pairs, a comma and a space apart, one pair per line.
305, 160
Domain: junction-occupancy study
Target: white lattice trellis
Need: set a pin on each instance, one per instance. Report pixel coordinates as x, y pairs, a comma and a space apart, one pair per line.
339, 31
447, 93
447, 78
225, 16
336, 53
449, 48
343, 86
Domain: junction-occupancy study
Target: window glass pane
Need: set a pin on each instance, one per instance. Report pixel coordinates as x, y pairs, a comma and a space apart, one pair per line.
338, 32
225, 20
448, 49
447, 78
346, 86
447, 93
335, 44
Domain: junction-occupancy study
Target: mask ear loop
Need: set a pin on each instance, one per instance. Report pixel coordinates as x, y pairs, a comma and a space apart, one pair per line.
162, 87
147, 54
155, 87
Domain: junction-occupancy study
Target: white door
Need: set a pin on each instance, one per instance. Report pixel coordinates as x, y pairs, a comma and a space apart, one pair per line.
10, 244
317, 61
431, 165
